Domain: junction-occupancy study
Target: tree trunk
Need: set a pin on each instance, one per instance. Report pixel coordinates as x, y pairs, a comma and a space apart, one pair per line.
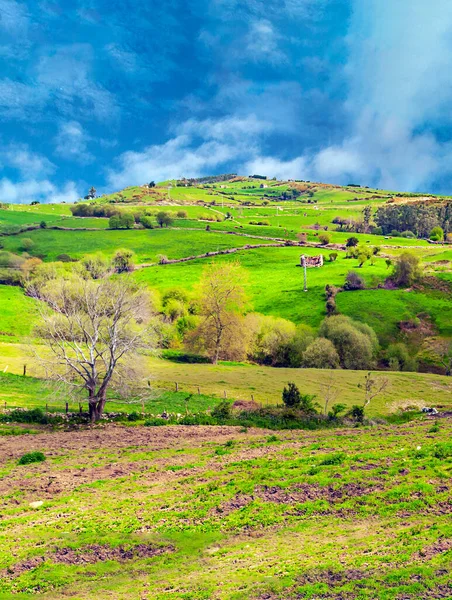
96, 407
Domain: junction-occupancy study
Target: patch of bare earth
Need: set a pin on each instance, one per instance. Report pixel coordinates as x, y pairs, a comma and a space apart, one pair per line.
429, 552
87, 555
298, 494
151, 438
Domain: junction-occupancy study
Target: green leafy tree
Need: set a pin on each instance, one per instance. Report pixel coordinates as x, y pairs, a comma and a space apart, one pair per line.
321, 354
407, 270
164, 219
437, 234
356, 343
123, 261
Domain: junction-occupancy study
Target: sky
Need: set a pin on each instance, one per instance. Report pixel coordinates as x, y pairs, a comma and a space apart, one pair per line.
117, 93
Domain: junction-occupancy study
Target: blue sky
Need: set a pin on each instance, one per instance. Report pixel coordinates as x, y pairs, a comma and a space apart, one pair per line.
115, 93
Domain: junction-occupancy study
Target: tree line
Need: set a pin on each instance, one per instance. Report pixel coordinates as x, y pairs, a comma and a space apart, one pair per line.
420, 218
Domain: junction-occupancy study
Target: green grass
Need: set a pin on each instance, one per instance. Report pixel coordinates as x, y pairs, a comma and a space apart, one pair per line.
275, 282
147, 244
242, 518
244, 382
384, 309
17, 313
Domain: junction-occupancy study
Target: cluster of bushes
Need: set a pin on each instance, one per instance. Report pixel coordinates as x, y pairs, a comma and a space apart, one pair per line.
122, 219
297, 411
259, 223
340, 342
35, 415
362, 252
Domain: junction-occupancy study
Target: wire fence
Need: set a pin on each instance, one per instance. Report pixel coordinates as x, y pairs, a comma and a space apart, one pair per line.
162, 398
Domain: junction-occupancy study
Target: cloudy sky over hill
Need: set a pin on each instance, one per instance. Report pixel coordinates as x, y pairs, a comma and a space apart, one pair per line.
118, 93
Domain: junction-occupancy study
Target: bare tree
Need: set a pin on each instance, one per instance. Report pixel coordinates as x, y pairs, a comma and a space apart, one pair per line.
443, 352
222, 302
373, 386
329, 390
93, 331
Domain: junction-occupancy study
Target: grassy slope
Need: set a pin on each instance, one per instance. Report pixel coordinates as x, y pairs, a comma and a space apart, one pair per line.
384, 309
275, 281
17, 313
147, 244
265, 384
352, 513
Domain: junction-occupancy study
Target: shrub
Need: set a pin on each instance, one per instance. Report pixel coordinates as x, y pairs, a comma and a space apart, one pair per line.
43, 225
123, 261
155, 422
291, 395
321, 354
331, 306
336, 409
27, 244
437, 234
356, 343
408, 234
399, 358
333, 256
36, 415
351, 242
334, 459
222, 411
147, 222
134, 416
64, 258
324, 239
114, 222
353, 281
407, 270
31, 457
181, 214
357, 413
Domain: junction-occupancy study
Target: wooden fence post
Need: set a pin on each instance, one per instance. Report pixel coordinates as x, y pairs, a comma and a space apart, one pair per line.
80, 407
199, 391
67, 408
25, 370
225, 394
177, 387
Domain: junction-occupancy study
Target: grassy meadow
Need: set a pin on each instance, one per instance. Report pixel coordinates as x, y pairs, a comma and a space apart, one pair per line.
201, 513
354, 510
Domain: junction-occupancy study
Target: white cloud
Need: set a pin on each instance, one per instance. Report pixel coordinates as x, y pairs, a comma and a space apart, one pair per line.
399, 87
261, 43
272, 167
28, 163
198, 148
24, 192
72, 142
